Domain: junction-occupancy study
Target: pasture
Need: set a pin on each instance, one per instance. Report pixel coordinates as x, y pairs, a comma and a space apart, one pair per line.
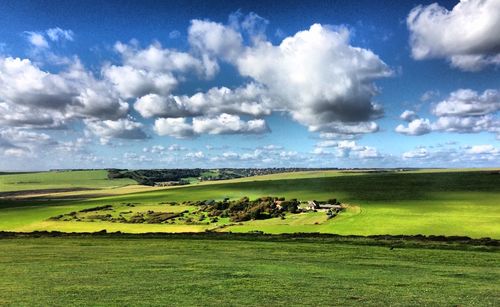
437, 202
192, 272
59, 180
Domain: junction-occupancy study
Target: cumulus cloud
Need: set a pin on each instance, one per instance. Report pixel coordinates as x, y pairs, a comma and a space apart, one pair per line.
152, 70
466, 102
16, 142
315, 75
214, 40
175, 127
132, 82
476, 155
417, 126
53, 98
463, 111
24, 83
320, 79
419, 153
467, 35
228, 124
250, 99
12, 115
222, 124
124, 128
483, 149
470, 124
408, 115
346, 149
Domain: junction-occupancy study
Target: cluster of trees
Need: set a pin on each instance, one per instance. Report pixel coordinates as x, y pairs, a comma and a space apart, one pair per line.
150, 177
245, 209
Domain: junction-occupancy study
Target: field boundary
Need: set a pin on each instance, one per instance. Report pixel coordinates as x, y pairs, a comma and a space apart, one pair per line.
391, 241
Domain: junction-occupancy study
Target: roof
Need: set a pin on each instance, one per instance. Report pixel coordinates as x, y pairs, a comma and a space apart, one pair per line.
330, 206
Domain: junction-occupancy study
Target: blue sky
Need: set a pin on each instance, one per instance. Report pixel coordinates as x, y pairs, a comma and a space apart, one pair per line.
150, 84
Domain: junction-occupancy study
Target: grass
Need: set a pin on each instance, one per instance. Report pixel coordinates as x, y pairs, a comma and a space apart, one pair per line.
190, 272
94, 179
437, 202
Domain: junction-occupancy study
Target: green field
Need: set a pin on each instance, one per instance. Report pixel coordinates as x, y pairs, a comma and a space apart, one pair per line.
194, 272
257, 270
440, 202
59, 180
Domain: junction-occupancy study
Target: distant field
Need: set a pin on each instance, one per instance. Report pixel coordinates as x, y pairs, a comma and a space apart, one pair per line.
437, 202
189, 272
59, 180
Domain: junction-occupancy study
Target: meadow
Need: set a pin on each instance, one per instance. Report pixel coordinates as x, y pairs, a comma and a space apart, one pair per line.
431, 202
193, 272
214, 269
92, 179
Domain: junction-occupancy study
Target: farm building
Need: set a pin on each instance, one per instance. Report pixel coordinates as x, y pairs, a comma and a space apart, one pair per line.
312, 205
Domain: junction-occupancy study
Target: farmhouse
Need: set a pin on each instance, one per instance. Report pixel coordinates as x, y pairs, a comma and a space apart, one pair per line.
313, 205
278, 204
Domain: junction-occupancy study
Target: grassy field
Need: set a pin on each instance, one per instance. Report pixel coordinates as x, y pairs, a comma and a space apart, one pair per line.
190, 272
94, 179
437, 202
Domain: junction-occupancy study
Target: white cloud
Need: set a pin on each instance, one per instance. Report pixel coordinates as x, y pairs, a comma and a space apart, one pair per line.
58, 34
222, 124
408, 115
250, 99
37, 40
346, 149
345, 130
13, 115
176, 127
131, 82
470, 124
416, 154
476, 155
466, 102
228, 124
467, 35
40, 40
152, 70
121, 128
320, 79
70, 94
196, 155
483, 149
158, 59
214, 40
21, 82
417, 126
23, 143
315, 75
463, 111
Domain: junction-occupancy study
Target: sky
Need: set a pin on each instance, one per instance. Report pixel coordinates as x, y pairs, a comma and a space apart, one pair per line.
181, 84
